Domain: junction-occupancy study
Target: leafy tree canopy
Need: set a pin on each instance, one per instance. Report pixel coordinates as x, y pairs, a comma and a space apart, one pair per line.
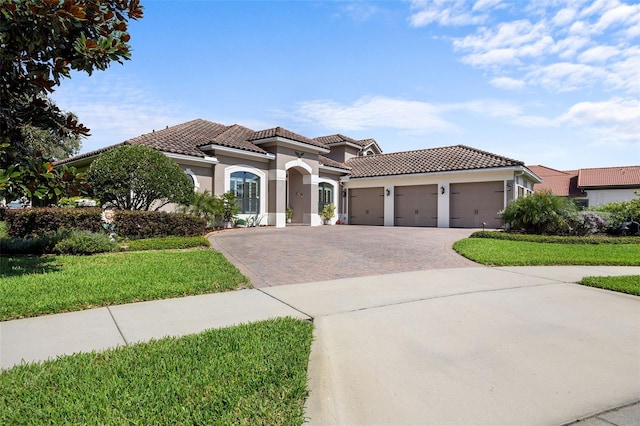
136, 177
41, 41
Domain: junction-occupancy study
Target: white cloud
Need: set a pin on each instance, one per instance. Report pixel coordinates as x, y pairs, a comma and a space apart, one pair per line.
557, 45
117, 109
615, 121
374, 112
507, 83
359, 11
450, 12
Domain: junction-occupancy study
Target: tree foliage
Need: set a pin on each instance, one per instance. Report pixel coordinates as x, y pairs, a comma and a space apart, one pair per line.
41, 42
49, 144
136, 177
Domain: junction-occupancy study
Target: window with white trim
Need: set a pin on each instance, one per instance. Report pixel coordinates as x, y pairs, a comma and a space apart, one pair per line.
246, 187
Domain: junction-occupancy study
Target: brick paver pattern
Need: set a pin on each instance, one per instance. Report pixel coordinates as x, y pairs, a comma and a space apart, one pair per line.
296, 254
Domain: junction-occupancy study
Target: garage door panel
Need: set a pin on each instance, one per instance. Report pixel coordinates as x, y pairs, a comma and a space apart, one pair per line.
475, 203
416, 205
366, 206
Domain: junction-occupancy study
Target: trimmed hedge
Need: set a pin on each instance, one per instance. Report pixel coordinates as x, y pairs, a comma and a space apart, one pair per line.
552, 239
85, 243
42, 222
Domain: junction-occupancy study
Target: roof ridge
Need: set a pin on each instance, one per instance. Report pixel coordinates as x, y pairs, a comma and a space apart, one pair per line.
490, 153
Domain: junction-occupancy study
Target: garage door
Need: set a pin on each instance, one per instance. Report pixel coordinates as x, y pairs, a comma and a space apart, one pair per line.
471, 204
416, 205
366, 206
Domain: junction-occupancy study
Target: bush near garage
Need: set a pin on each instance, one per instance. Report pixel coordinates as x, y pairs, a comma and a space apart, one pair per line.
37, 223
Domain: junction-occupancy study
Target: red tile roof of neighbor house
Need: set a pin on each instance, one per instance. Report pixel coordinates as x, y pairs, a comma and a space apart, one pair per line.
563, 183
449, 158
609, 177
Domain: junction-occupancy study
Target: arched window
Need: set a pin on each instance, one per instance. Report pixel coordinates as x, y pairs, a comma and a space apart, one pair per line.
325, 195
246, 187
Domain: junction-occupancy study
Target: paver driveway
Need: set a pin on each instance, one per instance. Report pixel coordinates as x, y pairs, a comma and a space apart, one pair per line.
296, 254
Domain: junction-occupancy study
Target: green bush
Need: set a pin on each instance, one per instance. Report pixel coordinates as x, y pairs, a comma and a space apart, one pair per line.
128, 224
31, 246
541, 213
167, 243
85, 242
618, 212
554, 239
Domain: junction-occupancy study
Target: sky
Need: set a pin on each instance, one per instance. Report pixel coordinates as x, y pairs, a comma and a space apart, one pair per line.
551, 82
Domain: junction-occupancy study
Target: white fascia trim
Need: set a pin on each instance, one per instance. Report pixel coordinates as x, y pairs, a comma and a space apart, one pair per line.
207, 159
285, 141
533, 176
448, 172
238, 152
333, 169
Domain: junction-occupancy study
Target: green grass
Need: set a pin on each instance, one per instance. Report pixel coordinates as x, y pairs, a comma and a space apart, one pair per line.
521, 253
250, 375
31, 286
166, 243
629, 284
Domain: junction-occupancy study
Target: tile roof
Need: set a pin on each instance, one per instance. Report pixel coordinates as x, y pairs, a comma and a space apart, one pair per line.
609, 176
284, 133
562, 183
337, 138
325, 161
236, 136
184, 138
449, 158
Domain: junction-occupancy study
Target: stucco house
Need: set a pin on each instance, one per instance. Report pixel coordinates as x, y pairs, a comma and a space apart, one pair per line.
269, 170
590, 187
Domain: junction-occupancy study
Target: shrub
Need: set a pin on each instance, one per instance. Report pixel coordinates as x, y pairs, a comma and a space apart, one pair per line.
33, 246
205, 205
128, 224
136, 177
47, 221
85, 242
541, 213
619, 212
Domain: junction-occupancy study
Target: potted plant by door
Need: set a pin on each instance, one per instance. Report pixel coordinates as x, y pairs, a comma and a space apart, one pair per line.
327, 213
288, 214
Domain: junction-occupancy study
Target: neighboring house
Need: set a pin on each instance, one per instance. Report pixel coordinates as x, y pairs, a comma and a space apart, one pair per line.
590, 187
271, 169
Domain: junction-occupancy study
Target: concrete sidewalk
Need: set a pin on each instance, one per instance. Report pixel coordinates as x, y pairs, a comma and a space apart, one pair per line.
448, 346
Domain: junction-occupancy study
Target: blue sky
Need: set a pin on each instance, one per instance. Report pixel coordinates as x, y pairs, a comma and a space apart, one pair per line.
547, 82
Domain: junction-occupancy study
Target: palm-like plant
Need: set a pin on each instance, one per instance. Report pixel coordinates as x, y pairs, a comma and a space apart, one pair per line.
541, 213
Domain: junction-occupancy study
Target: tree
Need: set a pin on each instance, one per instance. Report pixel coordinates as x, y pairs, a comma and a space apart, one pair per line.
41, 42
49, 144
136, 177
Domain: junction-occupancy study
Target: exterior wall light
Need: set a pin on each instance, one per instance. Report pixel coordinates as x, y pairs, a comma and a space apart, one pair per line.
442, 189
388, 191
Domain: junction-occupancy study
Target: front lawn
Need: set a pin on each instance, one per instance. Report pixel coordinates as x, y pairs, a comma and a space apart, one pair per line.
31, 286
629, 284
251, 374
495, 252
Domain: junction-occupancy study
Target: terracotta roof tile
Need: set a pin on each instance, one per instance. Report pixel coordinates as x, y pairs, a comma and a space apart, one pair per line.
558, 182
450, 158
284, 133
332, 163
236, 136
181, 139
609, 176
337, 138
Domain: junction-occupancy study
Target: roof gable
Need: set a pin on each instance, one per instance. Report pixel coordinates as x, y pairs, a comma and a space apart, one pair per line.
260, 136
450, 158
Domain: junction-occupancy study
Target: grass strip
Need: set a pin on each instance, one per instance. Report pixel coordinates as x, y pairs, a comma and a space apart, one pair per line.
629, 284
555, 239
523, 253
37, 285
251, 374
167, 243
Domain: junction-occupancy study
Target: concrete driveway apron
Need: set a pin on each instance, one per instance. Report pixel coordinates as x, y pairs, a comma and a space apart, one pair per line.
412, 334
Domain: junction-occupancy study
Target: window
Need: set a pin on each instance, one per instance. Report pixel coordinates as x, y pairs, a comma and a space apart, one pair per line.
325, 195
246, 187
